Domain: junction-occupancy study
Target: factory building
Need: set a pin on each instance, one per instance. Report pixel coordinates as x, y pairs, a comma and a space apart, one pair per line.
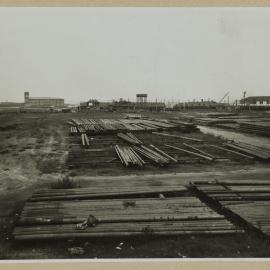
42, 101
256, 101
199, 105
124, 105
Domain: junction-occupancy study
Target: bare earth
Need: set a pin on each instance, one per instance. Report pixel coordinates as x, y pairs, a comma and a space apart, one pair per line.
33, 150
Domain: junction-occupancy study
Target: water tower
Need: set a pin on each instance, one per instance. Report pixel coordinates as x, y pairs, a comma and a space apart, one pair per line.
141, 98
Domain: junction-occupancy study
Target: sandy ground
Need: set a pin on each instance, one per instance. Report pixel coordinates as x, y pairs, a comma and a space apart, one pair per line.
33, 149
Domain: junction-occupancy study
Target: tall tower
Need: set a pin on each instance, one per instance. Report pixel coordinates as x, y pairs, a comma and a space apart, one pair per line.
26, 97
141, 98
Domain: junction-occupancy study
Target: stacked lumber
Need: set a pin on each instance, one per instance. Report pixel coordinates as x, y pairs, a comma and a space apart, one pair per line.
261, 128
128, 156
130, 138
250, 150
126, 213
247, 201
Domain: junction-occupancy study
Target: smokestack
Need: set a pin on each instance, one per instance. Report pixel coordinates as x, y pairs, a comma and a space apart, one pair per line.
26, 97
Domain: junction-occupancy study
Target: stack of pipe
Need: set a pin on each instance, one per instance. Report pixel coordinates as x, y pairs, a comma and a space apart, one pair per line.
164, 154
258, 127
252, 150
128, 156
207, 157
73, 130
152, 155
85, 140
113, 125
129, 137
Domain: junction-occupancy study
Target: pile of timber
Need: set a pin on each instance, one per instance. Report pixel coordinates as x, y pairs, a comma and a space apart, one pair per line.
85, 140
250, 150
157, 156
130, 138
246, 201
118, 211
128, 156
261, 128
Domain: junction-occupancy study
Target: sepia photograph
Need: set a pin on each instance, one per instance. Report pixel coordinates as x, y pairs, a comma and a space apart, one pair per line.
134, 133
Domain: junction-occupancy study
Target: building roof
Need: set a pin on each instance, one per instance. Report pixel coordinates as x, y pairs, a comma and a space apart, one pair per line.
258, 97
45, 98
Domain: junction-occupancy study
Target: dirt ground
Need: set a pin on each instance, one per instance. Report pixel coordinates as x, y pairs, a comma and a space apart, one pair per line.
33, 152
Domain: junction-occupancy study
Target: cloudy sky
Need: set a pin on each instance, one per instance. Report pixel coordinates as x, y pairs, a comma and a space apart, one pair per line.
106, 53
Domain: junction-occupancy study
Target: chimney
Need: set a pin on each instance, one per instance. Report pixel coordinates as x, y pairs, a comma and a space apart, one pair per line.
26, 97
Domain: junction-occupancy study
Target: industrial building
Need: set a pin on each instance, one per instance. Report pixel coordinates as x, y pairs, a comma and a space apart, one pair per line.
259, 101
42, 101
199, 105
123, 105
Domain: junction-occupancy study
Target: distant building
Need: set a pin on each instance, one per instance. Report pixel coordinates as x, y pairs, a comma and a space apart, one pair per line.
123, 105
199, 105
42, 101
257, 101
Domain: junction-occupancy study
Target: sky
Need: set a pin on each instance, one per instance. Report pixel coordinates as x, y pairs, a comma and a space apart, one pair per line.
176, 54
